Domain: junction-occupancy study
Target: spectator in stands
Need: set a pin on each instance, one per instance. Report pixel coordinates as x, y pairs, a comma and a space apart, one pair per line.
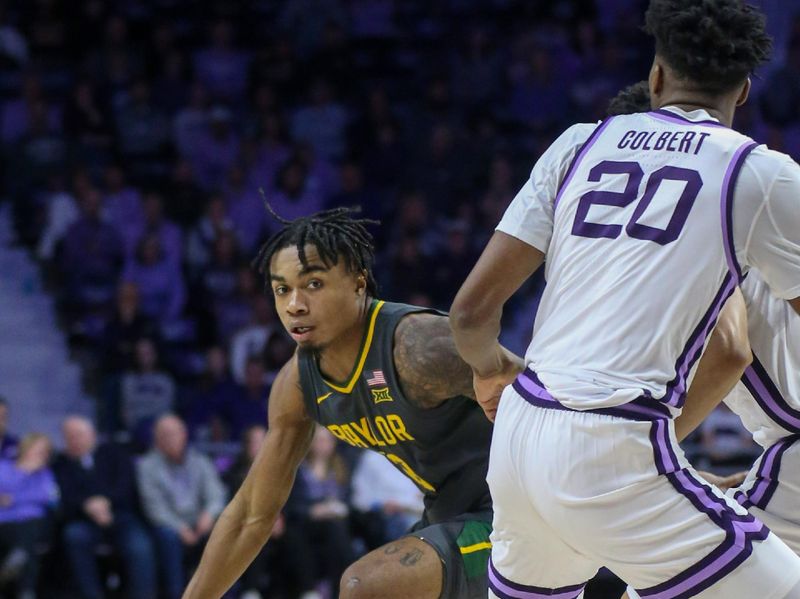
292, 197
158, 278
205, 405
142, 128
246, 207
215, 222
87, 119
91, 256
386, 503
236, 310
318, 505
221, 67
155, 223
40, 153
216, 150
8, 442
27, 492
219, 278
249, 405
61, 212
191, 121
126, 327
147, 391
322, 122
251, 340
270, 153
182, 496
17, 112
100, 505
186, 200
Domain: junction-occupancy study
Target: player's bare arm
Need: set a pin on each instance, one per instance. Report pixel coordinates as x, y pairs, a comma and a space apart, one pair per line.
724, 361
245, 524
427, 361
504, 266
795, 304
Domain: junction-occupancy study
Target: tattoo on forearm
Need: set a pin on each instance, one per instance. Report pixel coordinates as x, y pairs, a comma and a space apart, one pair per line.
411, 558
391, 549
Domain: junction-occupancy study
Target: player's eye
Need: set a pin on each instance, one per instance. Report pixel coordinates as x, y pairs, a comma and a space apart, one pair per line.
314, 284
279, 290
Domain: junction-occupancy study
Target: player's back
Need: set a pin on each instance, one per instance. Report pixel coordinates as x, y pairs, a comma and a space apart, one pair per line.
641, 258
768, 398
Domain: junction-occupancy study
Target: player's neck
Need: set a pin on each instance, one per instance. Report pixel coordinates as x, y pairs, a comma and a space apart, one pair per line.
337, 360
688, 103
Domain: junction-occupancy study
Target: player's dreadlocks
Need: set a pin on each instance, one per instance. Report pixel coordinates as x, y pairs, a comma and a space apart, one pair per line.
334, 233
716, 44
634, 98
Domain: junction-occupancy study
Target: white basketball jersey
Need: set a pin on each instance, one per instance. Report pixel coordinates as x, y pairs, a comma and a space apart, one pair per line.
768, 398
643, 244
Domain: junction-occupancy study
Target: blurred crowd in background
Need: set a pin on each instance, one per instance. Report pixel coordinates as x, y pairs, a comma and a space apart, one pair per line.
141, 140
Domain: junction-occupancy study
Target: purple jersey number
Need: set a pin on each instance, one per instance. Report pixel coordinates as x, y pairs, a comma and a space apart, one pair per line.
582, 228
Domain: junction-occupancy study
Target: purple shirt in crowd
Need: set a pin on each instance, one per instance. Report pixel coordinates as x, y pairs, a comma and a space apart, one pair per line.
31, 492
160, 287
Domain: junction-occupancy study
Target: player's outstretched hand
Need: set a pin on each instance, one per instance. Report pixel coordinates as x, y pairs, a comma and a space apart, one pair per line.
724, 482
488, 388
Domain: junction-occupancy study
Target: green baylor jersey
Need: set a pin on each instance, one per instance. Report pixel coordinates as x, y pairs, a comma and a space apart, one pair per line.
444, 450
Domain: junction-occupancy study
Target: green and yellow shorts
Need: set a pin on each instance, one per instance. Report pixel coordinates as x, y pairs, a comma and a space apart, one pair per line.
464, 548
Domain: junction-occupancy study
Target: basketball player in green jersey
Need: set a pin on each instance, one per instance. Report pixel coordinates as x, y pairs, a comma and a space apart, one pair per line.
378, 375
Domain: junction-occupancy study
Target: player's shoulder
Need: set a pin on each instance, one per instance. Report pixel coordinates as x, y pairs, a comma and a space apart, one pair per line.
577, 134
288, 378
764, 166
561, 152
414, 328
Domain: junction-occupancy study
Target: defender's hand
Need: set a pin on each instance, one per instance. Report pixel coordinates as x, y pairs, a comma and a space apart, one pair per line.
489, 387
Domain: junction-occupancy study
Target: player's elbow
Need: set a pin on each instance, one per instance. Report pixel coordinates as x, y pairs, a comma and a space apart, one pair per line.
358, 583
732, 348
469, 313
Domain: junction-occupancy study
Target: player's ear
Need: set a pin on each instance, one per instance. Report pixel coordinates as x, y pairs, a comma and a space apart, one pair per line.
361, 283
744, 93
656, 80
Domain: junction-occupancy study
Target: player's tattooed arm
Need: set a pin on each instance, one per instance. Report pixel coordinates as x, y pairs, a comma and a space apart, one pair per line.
427, 362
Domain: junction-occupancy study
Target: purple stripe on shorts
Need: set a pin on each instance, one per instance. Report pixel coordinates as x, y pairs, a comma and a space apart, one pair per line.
767, 475
665, 457
573, 166
676, 388
769, 397
676, 119
506, 589
726, 206
642, 409
740, 533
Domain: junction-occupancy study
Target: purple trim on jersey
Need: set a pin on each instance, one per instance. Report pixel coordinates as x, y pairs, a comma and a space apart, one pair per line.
506, 589
726, 206
573, 166
769, 398
766, 483
641, 409
741, 530
676, 119
676, 388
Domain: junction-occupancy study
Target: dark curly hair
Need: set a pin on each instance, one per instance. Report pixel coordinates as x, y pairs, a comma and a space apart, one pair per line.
634, 98
335, 234
716, 44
